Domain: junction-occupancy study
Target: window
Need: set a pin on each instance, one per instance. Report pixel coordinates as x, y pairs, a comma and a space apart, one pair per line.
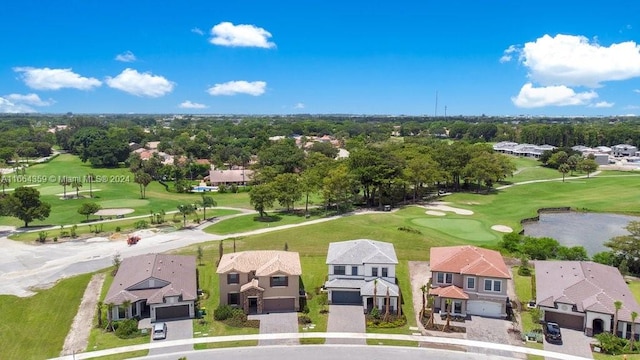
354, 270
233, 299
374, 271
122, 312
471, 283
279, 281
385, 272
492, 285
444, 278
233, 278
339, 270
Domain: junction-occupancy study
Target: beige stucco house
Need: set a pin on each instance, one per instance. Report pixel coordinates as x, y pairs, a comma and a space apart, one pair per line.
473, 280
581, 294
261, 281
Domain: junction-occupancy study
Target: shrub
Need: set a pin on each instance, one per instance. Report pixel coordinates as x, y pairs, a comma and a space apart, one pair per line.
410, 230
394, 322
223, 312
142, 224
524, 271
305, 309
238, 318
127, 329
304, 319
42, 236
375, 313
323, 299
117, 228
611, 344
73, 230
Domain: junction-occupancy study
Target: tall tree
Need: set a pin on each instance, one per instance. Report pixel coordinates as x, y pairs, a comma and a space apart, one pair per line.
90, 178
89, 208
76, 184
617, 305
634, 316
627, 247
564, 169
287, 189
143, 180
205, 202
262, 197
24, 203
185, 210
65, 181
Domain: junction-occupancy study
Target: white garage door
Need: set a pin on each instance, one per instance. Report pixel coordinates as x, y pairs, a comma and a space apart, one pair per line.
484, 308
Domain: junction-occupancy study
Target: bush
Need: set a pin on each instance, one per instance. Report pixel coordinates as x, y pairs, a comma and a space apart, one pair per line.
142, 224
117, 228
611, 344
127, 329
304, 319
223, 312
394, 322
323, 299
410, 230
524, 271
238, 318
375, 313
305, 309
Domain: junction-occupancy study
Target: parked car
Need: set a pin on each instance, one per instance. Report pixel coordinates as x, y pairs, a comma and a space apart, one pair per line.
159, 331
552, 333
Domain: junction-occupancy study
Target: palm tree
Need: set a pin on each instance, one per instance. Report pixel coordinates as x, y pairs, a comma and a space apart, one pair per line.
387, 302
618, 305
634, 316
65, 181
447, 326
423, 288
207, 201
76, 184
564, 169
90, 179
185, 210
5, 182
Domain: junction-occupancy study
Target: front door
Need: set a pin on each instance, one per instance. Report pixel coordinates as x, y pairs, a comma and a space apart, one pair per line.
598, 326
253, 305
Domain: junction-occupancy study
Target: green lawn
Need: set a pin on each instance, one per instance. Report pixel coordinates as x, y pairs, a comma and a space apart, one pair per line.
254, 222
35, 327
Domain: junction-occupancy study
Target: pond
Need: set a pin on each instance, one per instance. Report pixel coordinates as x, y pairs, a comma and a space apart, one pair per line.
590, 230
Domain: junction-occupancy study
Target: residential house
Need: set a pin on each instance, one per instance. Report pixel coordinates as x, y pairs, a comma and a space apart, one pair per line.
624, 150
581, 295
227, 177
469, 280
261, 281
157, 286
362, 272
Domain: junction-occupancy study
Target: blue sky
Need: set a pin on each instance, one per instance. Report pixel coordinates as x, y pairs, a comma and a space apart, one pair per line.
493, 57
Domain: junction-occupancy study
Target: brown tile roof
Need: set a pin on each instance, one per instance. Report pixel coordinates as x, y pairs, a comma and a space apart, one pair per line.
470, 260
449, 292
230, 176
263, 262
179, 271
587, 285
253, 284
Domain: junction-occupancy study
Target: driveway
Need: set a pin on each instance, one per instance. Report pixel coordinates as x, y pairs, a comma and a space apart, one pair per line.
574, 342
346, 318
176, 330
278, 323
493, 331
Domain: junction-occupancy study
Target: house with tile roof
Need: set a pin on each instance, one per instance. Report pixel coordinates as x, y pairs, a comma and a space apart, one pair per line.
261, 281
581, 295
467, 280
240, 176
362, 272
156, 286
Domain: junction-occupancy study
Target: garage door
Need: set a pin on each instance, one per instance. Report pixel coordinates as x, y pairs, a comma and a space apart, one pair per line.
484, 308
172, 312
565, 320
279, 305
346, 298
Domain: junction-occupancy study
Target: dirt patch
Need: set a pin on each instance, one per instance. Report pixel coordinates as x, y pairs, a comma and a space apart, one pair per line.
78, 337
502, 228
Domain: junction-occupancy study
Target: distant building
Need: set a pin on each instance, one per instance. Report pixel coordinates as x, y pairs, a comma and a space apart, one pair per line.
525, 150
227, 177
624, 150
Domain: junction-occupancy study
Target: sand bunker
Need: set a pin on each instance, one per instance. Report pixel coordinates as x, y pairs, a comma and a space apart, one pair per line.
502, 228
442, 207
435, 213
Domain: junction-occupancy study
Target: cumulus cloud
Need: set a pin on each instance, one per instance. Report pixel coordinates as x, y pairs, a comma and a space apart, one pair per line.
126, 56
508, 54
255, 88
55, 79
191, 105
602, 104
30, 99
140, 84
299, 106
575, 61
560, 95
227, 34
198, 31
10, 107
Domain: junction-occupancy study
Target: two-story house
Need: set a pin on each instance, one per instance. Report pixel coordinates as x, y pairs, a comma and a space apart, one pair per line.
155, 286
362, 272
469, 280
260, 281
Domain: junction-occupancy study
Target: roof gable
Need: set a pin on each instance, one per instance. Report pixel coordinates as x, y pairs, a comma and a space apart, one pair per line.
361, 251
469, 260
263, 262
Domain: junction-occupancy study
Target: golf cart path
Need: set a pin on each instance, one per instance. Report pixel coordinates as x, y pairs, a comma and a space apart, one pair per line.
593, 174
78, 337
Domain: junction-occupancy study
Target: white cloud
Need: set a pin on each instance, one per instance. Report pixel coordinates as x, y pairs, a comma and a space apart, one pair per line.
7, 106
255, 88
508, 54
575, 61
191, 105
30, 99
632, 107
602, 104
140, 84
55, 79
198, 31
636, 91
532, 97
227, 34
299, 106
126, 56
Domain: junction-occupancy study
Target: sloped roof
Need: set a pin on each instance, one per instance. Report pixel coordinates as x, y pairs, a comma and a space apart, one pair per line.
230, 176
469, 260
263, 262
344, 284
587, 285
449, 292
253, 284
381, 288
361, 251
179, 271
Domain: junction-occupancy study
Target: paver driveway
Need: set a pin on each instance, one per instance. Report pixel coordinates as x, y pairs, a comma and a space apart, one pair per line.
493, 331
346, 318
176, 330
278, 323
573, 343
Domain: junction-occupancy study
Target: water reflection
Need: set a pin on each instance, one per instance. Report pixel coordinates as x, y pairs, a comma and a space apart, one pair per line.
586, 229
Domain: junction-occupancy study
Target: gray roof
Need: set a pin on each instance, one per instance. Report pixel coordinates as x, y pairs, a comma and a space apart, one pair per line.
344, 284
176, 272
381, 288
587, 285
362, 251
